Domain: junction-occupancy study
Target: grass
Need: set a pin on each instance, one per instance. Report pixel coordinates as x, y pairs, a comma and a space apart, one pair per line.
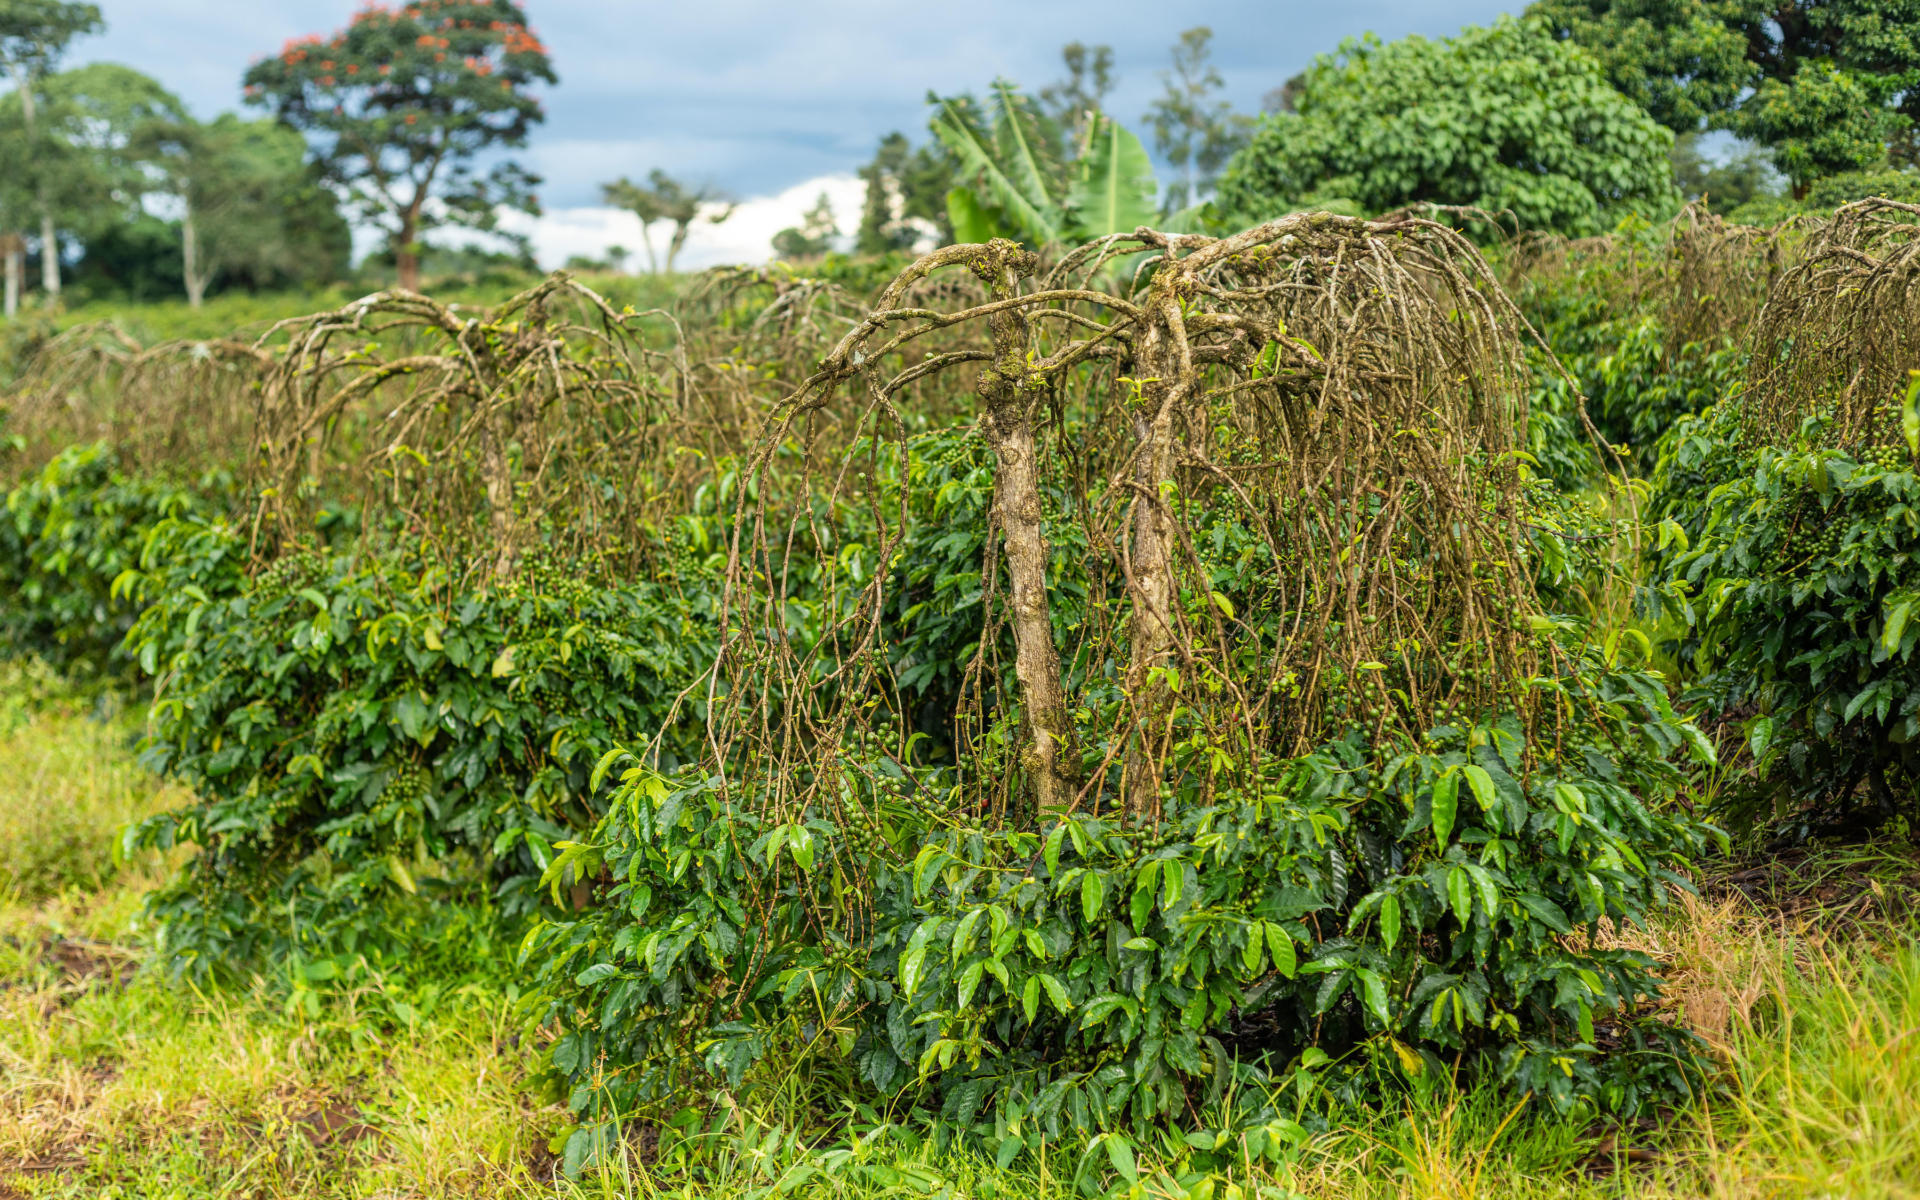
115, 1082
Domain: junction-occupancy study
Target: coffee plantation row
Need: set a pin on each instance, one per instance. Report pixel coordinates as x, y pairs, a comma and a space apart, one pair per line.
1081, 695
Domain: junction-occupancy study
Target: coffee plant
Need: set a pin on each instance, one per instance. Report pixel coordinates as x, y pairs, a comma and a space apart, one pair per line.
366, 736
1096, 973
1802, 583
1264, 747
68, 531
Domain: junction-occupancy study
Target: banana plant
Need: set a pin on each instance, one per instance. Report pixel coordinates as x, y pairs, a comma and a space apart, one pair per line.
1011, 179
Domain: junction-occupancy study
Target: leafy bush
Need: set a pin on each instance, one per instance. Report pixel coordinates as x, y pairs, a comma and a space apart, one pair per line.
367, 739
1090, 974
1807, 578
1503, 118
68, 532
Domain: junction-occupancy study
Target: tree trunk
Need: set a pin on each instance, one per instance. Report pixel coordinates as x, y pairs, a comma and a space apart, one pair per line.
190, 262
406, 255
1165, 370
646, 239
408, 260
49, 252
1010, 391
49, 237
679, 239
13, 252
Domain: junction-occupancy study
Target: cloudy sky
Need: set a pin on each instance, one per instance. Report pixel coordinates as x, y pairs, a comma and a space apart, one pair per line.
774, 100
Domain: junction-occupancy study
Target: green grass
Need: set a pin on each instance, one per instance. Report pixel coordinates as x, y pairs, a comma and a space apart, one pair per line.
115, 1082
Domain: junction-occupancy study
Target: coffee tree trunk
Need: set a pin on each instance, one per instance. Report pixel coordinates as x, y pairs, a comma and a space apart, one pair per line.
1165, 367
1010, 393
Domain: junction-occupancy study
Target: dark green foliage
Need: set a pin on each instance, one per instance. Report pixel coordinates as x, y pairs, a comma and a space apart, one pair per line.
1806, 581
366, 740
1092, 973
67, 534
1504, 119
1823, 84
1697, 453
136, 260
1636, 383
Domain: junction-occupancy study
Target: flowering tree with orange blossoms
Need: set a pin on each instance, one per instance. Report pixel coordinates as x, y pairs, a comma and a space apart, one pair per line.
398, 105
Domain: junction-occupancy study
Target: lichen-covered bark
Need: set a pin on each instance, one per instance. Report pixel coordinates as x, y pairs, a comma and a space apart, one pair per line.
1010, 394
1165, 370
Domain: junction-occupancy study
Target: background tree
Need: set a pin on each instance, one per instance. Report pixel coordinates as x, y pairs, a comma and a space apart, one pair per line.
78, 168
643, 204
1824, 84
1504, 118
1075, 101
664, 198
1744, 176
906, 196
1192, 129
33, 36
684, 205
813, 236
252, 209
400, 103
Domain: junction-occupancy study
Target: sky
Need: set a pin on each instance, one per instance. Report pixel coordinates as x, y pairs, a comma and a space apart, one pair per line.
774, 101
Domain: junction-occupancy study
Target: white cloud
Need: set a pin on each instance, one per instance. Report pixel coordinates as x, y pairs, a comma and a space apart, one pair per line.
745, 237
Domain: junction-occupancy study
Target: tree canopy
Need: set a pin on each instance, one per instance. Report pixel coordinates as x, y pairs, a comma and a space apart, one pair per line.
253, 209
399, 103
1824, 84
664, 198
1504, 118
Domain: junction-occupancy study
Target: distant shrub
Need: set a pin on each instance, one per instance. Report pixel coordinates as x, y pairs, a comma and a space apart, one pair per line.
1503, 118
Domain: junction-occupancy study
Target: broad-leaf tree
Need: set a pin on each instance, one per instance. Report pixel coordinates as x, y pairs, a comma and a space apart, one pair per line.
1824, 84
33, 36
77, 164
813, 236
1505, 118
400, 103
253, 210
